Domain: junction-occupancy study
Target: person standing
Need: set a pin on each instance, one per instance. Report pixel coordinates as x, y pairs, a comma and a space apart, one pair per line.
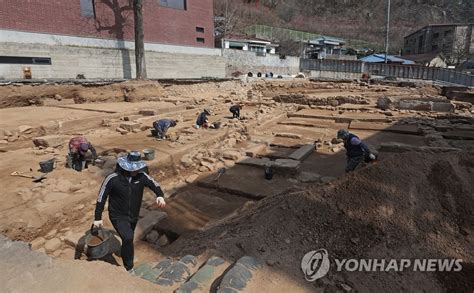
78, 147
356, 150
124, 188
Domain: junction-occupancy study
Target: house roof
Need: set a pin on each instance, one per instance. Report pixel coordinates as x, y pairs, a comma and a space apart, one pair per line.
379, 58
328, 39
423, 57
245, 38
437, 25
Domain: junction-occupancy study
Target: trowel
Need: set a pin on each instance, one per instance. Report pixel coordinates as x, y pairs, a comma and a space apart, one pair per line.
35, 178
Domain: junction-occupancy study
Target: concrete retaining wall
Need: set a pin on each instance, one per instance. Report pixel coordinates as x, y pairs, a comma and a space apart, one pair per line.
69, 61
105, 58
245, 61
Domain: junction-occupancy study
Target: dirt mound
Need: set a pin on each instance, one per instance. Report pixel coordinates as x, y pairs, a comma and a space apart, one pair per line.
408, 206
130, 91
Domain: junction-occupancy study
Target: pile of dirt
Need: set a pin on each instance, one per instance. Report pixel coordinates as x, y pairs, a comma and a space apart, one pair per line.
407, 206
129, 91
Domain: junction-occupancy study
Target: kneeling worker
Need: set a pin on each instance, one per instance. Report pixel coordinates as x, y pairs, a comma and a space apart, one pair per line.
161, 126
202, 120
125, 188
235, 110
356, 150
78, 147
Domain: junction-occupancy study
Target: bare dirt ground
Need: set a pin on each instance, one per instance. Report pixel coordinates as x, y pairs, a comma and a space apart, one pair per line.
416, 202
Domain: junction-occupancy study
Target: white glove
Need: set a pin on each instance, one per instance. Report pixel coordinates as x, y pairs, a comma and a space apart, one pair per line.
160, 201
98, 224
372, 156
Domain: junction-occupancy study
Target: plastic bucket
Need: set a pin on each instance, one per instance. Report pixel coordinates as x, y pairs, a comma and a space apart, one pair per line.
47, 166
149, 154
268, 172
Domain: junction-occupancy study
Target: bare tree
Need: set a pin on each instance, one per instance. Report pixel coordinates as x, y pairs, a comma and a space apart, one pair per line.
460, 49
228, 21
139, 39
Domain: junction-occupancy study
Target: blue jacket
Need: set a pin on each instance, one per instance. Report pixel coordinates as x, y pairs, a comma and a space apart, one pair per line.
355, 147
162, 125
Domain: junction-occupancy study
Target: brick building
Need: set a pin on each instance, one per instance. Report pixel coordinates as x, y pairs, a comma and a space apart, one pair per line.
179, 22
455, 41
95, 39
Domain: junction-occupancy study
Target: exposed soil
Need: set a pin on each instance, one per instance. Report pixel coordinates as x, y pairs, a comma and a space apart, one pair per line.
412, 205
407, 206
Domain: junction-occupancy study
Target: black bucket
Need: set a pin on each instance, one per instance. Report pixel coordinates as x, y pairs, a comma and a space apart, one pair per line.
153, 132
97, 242
47, 166
268, 172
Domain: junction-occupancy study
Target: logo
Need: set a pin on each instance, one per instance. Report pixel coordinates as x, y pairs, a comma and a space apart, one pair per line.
315, 264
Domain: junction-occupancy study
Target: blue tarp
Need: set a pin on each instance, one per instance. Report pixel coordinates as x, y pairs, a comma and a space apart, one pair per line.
380, 58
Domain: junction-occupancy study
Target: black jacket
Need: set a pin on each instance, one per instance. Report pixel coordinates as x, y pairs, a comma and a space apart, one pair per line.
126, 194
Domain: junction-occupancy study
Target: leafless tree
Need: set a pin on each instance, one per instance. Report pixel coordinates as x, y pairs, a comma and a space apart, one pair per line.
461, 42
227, 23
139, 39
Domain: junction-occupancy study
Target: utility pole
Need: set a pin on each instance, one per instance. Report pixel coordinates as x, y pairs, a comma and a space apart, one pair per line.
388, 30
139, 39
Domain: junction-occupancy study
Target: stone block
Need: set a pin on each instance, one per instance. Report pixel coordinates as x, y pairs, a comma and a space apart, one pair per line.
203, 279
443, 107
147, 112
49, 141
130, 126
288, 135
232, 155
238, 277
146, 224
286, 166
302, 153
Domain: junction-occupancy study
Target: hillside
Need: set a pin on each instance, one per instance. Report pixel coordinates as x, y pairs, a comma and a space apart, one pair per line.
351, 19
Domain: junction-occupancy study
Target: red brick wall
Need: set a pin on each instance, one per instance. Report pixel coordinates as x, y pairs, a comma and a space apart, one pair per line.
115, 20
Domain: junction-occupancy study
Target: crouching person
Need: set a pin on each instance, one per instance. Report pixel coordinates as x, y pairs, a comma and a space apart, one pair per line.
78, 148
356, 150
124, 188
235, 110
161, 126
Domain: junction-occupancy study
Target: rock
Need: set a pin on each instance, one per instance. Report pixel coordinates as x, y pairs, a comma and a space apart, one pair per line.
72, 239
48, 141
192, 178
232, 155
121, 130
286, 166
308, 177
7, 133
79, 207
162, 241
203, 169
327, 179
12, 138
146, 224
3, 141
25, 128
152, 237
130, 126
289, 135
37, 243
187, 161
143, 212
334, 103
147, 112
51, 234
52, 245
336, 141
335, 149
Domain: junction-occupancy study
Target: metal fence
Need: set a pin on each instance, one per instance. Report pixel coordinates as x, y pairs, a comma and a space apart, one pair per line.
390, 70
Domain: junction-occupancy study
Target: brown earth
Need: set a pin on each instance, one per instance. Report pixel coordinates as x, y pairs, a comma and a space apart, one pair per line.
407, 206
